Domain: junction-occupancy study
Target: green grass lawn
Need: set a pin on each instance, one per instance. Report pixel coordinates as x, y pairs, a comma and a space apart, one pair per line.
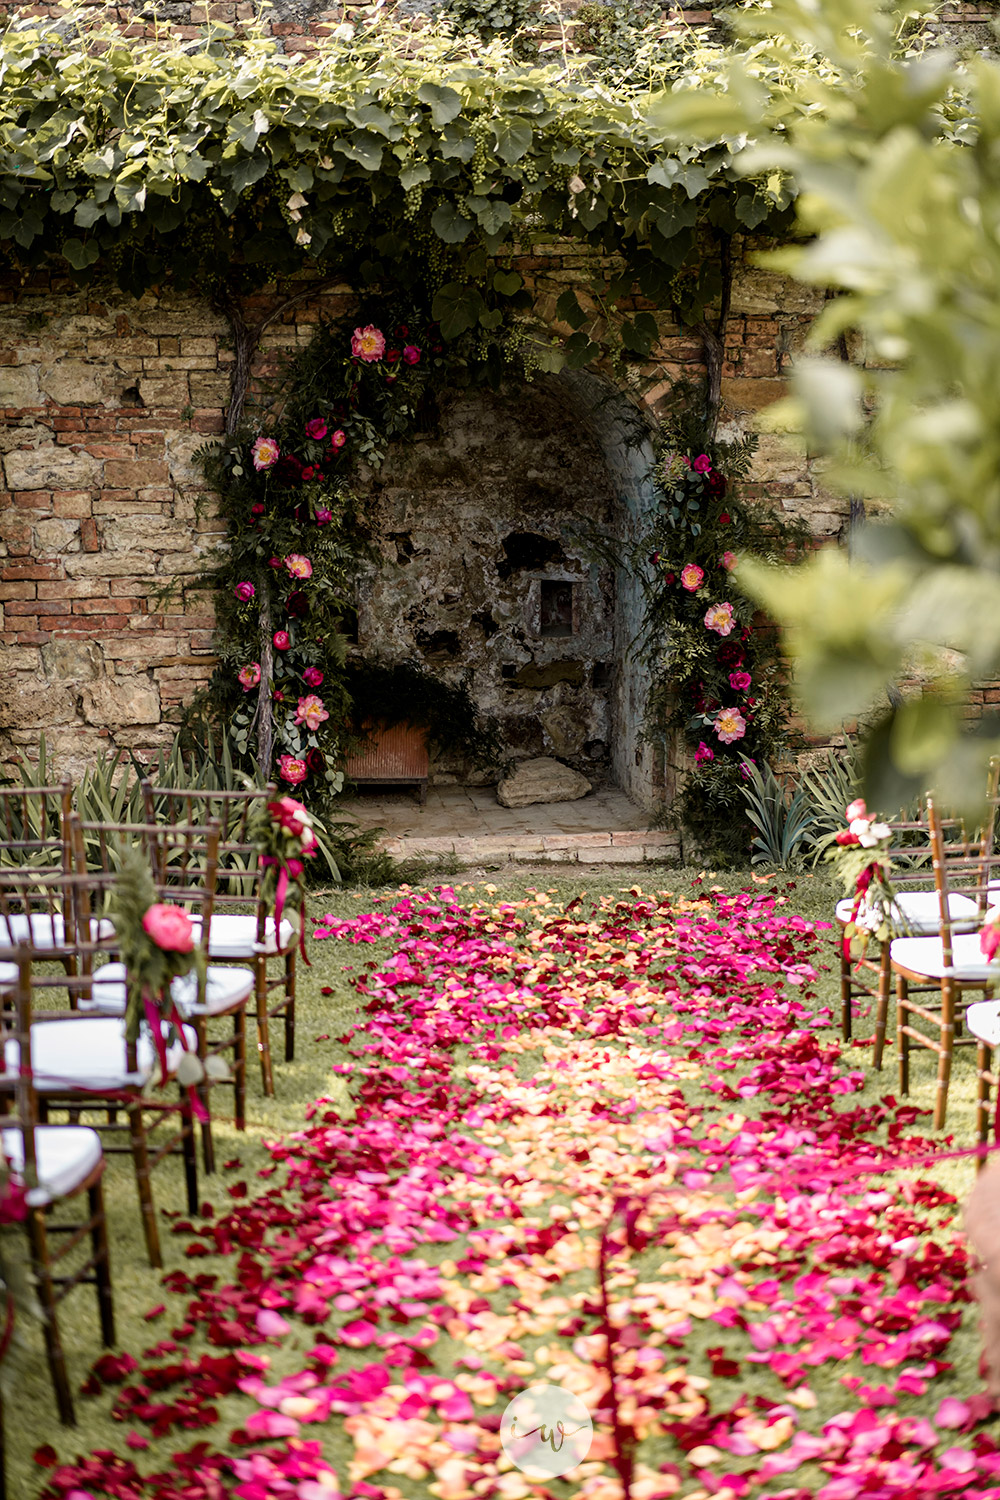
30, 1412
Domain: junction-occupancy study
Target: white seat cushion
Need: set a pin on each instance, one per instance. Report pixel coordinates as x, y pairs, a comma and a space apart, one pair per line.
924, 955
8, 975
983, 1020
234, 935
919, 911
224, 989
65, 1156
45, 930
88, 1052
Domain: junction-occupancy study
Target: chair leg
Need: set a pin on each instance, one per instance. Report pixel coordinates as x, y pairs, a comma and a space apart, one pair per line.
38, 1242
902, 1040
983, 1059
207, 1143
3, 1452
144, 1187
845, 991
240, 1069
944, 1057
882, 1011
290, 1005
189, 1152
264, 1029
102, 1263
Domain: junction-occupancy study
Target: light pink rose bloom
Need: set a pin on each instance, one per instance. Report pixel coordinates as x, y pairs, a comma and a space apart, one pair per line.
691, 577
728, 561
338, 439
248, 677
730, 725
856, 809
265, 453
298, 566
368, 344
310, 711
719, 617
292, 770
170, 928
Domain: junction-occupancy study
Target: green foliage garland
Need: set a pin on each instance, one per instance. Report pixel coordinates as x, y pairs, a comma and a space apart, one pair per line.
286, 579
716, 673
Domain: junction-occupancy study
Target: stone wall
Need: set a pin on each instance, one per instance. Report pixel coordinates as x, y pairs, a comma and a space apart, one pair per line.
104, 400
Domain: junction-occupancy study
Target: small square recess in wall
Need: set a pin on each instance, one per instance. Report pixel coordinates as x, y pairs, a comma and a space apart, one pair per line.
555, 614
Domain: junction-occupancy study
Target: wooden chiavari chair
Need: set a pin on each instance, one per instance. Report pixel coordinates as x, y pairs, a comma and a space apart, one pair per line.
33, 825
185, 865
950, 965
238, 936
85, 1064
53, 1163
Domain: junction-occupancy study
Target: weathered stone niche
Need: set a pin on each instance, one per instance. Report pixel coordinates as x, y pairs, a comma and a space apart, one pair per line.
490, 574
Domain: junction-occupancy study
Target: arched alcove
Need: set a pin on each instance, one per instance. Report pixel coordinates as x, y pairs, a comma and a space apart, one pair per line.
485, 526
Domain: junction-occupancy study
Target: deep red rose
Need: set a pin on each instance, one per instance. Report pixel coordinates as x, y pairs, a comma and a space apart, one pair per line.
715, 483
257, 510
725, 518
315, 760
297, 605
275, 562
669, 578
392, 356
402, 331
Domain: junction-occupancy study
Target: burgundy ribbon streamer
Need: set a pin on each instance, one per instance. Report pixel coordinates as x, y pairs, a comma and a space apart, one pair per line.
288, 870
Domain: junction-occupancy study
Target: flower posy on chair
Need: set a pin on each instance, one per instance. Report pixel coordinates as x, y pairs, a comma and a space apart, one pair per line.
861, 859
156, 940
285, 837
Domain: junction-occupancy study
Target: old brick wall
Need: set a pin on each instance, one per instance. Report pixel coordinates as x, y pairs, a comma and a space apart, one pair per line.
104, 400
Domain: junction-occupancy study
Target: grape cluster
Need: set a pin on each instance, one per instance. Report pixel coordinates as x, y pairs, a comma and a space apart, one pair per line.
414, 198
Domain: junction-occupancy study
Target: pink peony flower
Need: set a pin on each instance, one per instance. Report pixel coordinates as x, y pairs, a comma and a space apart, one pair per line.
170, 927
691, 577
411, 354
338, 439
702, 464
265, 453
704, 752
282, 640
856, 809
312, 676
293, 770
368, 344
244, 592
719, 617
292, 816
739, 681
730, 725
846, 837
316, 429
728, 561
989, 939
310, 711
298, 566
248, 677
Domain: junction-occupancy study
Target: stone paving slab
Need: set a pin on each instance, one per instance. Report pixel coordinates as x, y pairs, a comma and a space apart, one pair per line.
469, 825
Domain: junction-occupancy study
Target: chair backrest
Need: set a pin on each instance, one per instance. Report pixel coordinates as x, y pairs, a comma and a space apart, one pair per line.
33, 825
44, 908
238, 881
18, 1100
964, 864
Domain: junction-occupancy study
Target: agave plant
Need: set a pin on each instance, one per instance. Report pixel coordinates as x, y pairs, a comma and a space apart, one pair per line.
784, 820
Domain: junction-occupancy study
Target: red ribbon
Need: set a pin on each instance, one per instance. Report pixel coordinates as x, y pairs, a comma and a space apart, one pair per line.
288, 870
864, 880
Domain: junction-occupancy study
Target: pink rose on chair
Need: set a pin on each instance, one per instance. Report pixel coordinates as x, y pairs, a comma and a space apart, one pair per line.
989, 936
856, 809
720, 618
265, 453
310, 711
244, 592
298, 566
248, 677
170, 927
292, 770
294, 819
691, 577
368, 344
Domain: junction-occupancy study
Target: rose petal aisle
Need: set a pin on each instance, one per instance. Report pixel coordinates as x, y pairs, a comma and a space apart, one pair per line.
633, 1093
